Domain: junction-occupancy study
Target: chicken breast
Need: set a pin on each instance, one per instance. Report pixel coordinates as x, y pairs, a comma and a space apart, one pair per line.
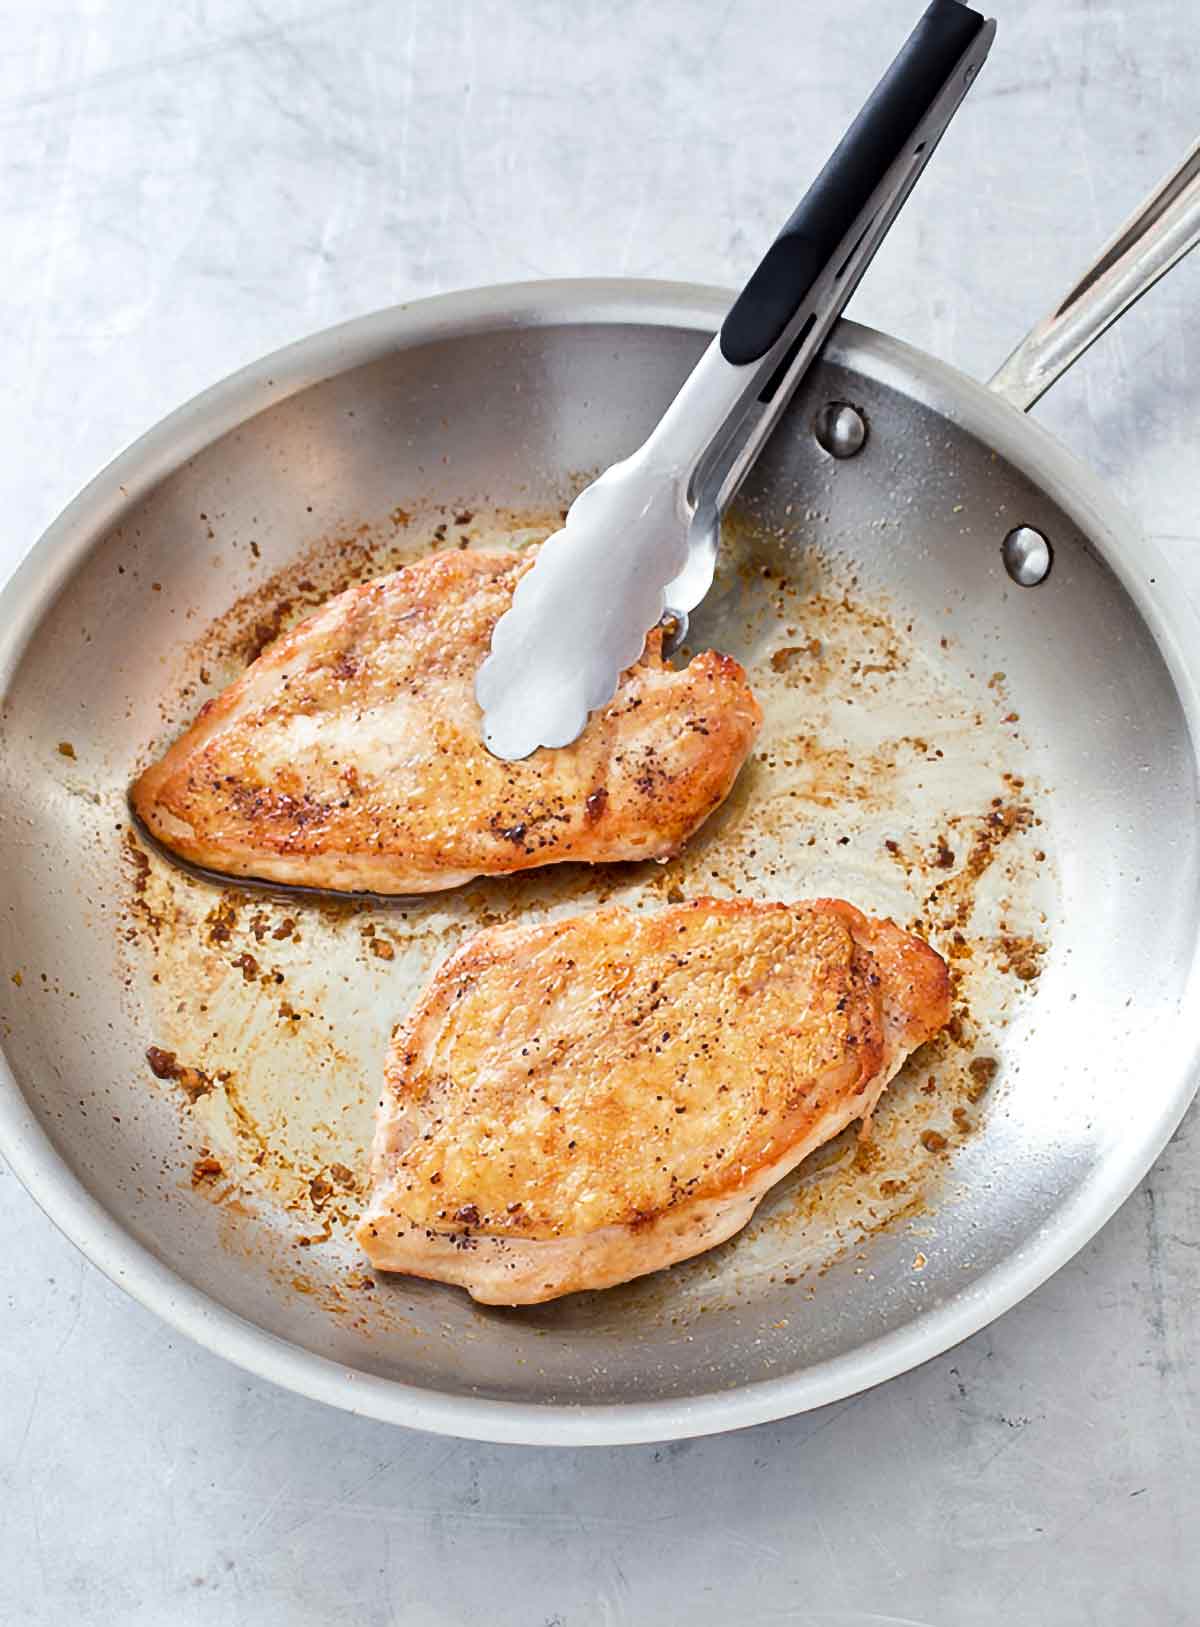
348, 755
574, 1104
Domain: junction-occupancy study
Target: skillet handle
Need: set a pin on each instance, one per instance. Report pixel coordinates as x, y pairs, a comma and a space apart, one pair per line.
841, 192
1154, 238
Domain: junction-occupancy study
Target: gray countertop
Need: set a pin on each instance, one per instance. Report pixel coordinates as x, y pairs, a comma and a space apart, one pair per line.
186, 187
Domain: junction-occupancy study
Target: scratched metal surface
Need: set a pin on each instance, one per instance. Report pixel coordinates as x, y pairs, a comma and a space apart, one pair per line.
396, 152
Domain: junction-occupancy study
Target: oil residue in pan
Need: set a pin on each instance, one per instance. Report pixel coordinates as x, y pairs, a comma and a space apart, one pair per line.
886, 773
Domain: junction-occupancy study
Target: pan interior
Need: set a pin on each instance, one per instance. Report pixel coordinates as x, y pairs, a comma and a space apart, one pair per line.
1007, 767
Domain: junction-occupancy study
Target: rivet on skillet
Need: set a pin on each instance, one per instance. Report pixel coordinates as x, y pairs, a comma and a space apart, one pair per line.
841, 430
1027, 555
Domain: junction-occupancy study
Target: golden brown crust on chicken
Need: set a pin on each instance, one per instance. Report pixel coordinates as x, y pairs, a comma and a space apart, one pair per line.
348, 755
576, 1103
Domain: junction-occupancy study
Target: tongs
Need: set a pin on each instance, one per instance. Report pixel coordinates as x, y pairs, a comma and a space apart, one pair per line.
640, 542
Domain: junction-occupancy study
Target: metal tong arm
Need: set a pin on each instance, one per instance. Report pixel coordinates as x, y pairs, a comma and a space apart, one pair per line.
643, 536
1151, 241
713, 431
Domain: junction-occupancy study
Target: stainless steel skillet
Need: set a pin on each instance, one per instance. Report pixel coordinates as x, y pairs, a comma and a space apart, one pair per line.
496, 400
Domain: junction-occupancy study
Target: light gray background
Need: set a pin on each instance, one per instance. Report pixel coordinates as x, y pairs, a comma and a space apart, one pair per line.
186, 186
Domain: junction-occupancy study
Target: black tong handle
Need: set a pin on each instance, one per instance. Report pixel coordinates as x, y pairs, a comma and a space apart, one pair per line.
842, 190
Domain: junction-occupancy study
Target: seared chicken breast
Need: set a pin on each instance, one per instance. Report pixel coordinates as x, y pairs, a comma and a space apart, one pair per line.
348, 755
576, 1103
